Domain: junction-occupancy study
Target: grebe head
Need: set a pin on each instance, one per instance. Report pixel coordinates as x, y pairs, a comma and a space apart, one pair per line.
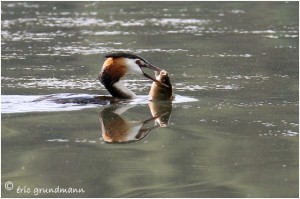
117, 65
134, 64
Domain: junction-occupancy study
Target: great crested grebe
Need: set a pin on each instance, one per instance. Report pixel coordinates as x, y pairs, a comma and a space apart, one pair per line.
117, 65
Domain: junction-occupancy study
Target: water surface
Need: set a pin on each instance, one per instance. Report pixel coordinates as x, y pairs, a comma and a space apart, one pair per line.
238, 60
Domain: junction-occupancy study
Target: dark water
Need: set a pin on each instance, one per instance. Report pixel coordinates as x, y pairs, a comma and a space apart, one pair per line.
233, 131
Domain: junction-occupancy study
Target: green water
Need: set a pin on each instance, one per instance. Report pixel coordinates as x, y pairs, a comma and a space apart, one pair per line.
238, 59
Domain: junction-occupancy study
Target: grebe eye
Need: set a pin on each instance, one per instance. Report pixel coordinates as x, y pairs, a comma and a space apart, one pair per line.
138, 62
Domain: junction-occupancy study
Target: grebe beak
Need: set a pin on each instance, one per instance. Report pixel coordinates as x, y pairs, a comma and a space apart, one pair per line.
152, 78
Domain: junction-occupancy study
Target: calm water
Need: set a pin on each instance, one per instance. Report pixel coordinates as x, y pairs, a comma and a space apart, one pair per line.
233, 131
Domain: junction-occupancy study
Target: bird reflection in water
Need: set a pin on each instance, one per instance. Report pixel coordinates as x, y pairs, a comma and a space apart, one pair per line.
118, 129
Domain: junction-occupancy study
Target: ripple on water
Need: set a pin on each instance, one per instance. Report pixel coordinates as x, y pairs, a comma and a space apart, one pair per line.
213, 86
50, 83
228, 55
263, 128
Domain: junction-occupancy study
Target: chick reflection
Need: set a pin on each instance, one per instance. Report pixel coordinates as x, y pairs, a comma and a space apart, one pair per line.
118, 129
161, 110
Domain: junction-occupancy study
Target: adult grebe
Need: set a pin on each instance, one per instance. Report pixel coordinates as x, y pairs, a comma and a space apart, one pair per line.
117, 65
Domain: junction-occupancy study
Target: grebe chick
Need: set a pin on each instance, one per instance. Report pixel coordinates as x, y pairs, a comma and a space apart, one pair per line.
158, 90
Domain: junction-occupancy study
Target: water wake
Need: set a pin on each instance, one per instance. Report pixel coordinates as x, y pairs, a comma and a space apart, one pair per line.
67, 102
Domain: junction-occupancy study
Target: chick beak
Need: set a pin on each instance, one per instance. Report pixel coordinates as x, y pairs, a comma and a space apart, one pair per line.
152, 78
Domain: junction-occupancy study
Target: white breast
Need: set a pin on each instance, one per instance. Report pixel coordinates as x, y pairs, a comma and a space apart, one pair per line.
122, 88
